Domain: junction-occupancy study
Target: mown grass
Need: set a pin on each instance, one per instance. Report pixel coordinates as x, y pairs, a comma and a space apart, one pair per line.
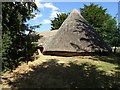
71, 72
110, 62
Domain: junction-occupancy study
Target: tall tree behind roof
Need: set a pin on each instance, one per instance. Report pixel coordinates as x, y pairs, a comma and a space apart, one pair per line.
56, 23
103, 22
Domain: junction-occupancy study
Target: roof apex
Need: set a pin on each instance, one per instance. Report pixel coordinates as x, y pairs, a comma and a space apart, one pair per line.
75, 11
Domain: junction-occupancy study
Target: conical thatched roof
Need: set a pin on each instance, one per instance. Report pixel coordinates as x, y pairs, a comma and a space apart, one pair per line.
75, 35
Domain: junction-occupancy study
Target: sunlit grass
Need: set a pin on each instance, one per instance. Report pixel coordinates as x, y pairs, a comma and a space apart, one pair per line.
77, 71
106, 63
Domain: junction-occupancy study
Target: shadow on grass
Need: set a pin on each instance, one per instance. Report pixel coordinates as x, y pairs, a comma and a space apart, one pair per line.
53, 75
114, 58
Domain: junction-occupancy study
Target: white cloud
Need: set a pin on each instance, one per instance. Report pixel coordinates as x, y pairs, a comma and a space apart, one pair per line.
45, 21
54, 11
50, 5
38, 3
54, 14
37, 16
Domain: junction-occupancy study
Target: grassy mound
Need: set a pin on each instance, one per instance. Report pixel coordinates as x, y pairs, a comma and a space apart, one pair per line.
66, 72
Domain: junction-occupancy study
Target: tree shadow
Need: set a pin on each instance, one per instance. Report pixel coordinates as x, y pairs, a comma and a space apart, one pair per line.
56, 75
113, 58
91, 35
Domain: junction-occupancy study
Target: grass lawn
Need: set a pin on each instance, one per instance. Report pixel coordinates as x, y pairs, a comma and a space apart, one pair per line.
67, 72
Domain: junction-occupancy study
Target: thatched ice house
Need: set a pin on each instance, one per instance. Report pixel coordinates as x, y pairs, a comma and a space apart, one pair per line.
75, 37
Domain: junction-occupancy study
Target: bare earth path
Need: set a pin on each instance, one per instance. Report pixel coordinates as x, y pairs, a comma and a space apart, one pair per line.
64, 72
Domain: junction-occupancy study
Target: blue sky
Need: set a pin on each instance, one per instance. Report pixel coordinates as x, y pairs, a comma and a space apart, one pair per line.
48, 11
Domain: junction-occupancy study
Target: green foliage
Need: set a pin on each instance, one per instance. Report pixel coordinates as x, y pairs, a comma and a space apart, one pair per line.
104, 24
6, 41
17, 46
57, 22
95, 15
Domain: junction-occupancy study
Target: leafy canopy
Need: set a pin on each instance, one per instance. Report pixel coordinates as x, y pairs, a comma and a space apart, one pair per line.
56, 23
103, 22
17, 45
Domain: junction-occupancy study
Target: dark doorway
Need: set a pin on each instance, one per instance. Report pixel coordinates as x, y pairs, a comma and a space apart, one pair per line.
41, 49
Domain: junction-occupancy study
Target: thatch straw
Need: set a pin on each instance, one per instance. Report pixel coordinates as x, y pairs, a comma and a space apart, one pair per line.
45, 37
76, 35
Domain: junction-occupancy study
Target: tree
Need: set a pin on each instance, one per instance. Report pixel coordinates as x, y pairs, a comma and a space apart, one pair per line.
104, 24
56, 23
116, 39
17, 46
